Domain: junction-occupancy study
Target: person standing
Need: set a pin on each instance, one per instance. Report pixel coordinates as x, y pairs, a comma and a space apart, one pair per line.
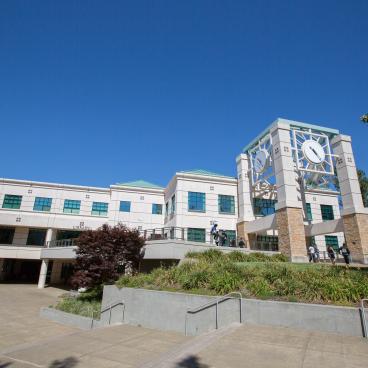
316, 253
345, 252
215, 234
241, 243
311, 251
331, 254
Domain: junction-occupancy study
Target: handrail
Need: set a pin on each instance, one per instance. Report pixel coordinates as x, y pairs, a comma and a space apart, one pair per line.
215, 302
113, 306
362, 311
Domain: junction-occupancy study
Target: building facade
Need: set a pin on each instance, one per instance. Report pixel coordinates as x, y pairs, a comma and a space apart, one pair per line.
282, 199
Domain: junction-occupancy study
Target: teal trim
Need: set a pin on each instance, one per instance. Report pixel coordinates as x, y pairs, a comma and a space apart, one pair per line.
292, 123
205, 173
140, 184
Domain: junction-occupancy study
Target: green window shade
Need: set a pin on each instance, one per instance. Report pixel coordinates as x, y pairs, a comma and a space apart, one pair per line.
36, 237
156, 209
124, 206
196, 235
12, 201
327, 212
226, 204
309, 211
332, 240
197, 201
100, 208
264, 207
6, 235
42, 204
71, 206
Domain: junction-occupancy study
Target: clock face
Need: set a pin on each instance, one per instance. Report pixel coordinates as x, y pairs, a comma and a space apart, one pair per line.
313, 151
260, 161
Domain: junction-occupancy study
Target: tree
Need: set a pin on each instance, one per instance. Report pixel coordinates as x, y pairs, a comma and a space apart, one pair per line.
363, 183
102, 252
364, 118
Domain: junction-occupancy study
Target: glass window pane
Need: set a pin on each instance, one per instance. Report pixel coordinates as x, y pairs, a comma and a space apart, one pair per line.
156, 209
12, 201
226, 204
100, 208
71, 206
309, 212
6, 235
333, 241
327, 212
42, 204
124, 206
196, 201
264, 207
36, 237
196, 235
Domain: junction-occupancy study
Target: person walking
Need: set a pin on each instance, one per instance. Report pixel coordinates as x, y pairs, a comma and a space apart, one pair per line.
316, 254
215, 234
345, 252
241, 243
311, 251
331, 254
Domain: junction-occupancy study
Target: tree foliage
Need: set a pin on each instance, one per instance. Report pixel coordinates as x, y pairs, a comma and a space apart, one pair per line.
102, 252
364, 118
363, 182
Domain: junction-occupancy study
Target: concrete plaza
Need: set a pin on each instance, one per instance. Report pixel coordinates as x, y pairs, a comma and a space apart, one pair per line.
29, 341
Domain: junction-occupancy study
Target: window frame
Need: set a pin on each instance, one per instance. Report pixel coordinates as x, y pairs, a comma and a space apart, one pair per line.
30, 231
199, 198
230, 198
267, 204
156, 206
335, 241
12, 201
42, 206
193, 232
97, 210
308, 212
330, 211
73, 206
128, 209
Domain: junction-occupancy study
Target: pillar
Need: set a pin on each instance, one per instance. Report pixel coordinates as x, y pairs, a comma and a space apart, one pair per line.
50, 235
354, 215
244, 197
43, 273
289, 208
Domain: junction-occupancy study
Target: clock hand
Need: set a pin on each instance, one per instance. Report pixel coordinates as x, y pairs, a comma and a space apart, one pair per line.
315, 152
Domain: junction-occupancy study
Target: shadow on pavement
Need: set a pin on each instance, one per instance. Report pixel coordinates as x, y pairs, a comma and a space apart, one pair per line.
191, 362
65, 363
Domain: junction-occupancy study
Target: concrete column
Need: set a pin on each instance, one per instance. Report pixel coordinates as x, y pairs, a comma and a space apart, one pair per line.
244, 195
43, 273
354, 215
289, 211
50, 235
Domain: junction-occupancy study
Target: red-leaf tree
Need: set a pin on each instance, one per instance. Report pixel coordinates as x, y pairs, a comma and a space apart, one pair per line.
101, 253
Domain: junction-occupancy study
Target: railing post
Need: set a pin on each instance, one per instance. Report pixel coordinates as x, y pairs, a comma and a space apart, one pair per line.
217, 315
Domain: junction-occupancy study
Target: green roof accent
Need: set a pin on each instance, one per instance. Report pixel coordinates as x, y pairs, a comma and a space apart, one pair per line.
205, 173
140, 184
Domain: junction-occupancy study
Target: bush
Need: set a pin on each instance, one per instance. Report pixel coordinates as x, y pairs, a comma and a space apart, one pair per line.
258, 275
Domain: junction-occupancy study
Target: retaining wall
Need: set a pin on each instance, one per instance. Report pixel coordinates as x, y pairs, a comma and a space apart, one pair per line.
168, 311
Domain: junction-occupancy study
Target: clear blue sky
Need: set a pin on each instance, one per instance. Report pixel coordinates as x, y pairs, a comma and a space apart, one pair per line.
97, 92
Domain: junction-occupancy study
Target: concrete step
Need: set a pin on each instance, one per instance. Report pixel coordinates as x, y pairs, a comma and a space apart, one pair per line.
187, 350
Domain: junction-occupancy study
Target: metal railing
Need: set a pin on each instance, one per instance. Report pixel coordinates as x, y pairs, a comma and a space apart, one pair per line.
216, 302
109, 308
364, 321
61, 243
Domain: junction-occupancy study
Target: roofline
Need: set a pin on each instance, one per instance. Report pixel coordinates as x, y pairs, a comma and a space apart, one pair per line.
137, 188
223, 179
291, 123
53, 185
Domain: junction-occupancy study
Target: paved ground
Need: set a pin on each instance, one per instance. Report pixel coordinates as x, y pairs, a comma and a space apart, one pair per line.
42, 343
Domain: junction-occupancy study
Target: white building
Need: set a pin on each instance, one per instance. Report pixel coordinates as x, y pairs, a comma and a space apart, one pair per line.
35, 215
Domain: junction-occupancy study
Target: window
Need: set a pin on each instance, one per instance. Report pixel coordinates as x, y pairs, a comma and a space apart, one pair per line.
156, 209
173, 204
36, 237
42, 204
196, 235
100, 208
309, 211
226, 204
267, 243
167, 209
231, 235
196, 201
264, 207
327, 212
67, 234
6, 235
333, 241
71, 206
124, 206
12, 201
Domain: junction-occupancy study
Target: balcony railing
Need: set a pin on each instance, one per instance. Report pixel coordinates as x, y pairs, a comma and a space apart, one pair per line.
61, 243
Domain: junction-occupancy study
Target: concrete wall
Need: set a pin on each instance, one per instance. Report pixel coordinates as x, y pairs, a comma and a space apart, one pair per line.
167, 311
